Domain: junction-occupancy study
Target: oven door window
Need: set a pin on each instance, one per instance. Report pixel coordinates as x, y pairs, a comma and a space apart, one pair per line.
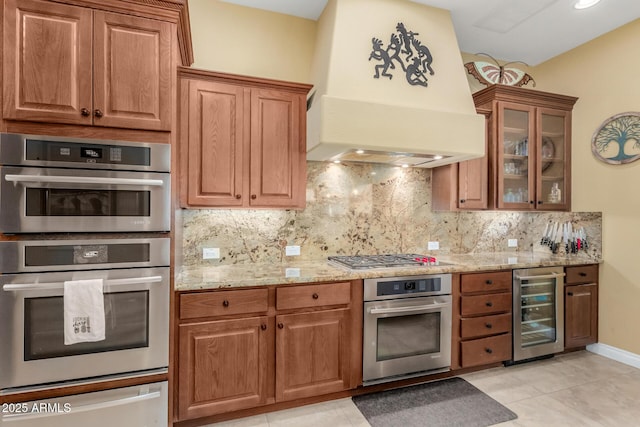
405, 336
83, 202
126, 326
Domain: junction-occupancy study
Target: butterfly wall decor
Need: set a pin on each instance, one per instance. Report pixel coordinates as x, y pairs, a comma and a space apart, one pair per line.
493, 73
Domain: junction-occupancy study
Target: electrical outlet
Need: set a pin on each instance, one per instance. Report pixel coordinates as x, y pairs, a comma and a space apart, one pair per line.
210, 253
433, 246
292, 250
512, 243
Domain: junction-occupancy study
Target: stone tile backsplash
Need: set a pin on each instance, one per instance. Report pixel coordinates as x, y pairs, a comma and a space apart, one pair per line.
366, 209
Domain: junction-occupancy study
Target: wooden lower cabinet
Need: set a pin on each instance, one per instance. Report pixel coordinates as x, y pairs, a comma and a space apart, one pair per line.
223, 366
243, 348
581, 306
485, 318
312, 354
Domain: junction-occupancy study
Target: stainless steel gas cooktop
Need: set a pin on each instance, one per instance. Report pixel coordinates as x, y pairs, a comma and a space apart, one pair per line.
362, 262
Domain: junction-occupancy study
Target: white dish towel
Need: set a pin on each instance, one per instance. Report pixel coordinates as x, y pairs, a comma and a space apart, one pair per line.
83, 311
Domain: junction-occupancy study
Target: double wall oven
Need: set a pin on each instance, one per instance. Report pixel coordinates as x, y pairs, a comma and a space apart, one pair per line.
74, 211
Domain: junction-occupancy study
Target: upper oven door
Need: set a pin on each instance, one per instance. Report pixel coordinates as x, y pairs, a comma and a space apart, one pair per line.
38, 200
33, 352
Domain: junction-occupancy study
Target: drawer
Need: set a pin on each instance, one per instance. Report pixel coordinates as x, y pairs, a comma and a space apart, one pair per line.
475, 327
222, 303
486, 282
485, 304
486, 350
291, 297
582, 274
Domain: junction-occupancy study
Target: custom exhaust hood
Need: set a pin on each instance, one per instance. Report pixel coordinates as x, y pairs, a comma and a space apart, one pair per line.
412, 118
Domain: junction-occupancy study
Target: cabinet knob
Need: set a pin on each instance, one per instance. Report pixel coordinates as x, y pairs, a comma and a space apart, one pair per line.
489, 304
263, 327
582, 274
488, 350
280, 325
85, 112
489, 282
539, 202
462, 200
238, 196
225, 303
531, 202
253, 196
488, 325
98, 113
315, 296
570, 294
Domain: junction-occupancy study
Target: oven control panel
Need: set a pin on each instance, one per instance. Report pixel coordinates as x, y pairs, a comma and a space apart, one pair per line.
405, 287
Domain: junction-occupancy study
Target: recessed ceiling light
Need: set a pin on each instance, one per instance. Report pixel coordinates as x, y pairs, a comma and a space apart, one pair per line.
583, 4
437, 157
359, 151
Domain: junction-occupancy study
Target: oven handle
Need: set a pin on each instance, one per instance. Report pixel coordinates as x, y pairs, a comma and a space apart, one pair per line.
84, 408
399, 310
48, 286
85, 180
542, 276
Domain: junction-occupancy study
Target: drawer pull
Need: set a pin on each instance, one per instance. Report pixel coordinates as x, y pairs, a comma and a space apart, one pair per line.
315, 296
489, 282
280, 325
570, 294
263, 327
488, 350
225, 303
238, 196
488, 325
582, 274
489, 304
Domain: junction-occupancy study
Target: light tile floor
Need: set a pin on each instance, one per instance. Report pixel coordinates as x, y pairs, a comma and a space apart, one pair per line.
575, 389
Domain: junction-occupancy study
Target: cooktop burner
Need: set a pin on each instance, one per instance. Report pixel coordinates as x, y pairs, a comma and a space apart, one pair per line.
360, 262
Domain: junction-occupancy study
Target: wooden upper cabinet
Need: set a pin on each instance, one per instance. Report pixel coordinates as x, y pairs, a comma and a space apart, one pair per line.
278, 159
73, 65
132, 72
216, 144
47, 62
243, 141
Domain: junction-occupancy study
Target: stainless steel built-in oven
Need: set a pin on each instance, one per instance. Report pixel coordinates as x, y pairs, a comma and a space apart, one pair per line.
135, 290
407, 327
52, 184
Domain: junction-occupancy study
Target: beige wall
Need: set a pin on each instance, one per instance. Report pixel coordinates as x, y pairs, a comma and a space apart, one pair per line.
242, 40
604, 75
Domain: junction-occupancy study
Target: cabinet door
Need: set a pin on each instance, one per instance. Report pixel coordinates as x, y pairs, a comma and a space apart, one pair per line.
553, 163
473, 176
132, 72
581, 312
216, 144
515, 156
278, 151
47, 62
312, 354
222, 366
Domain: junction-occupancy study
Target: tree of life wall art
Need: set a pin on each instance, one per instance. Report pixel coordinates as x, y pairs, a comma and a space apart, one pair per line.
617, 140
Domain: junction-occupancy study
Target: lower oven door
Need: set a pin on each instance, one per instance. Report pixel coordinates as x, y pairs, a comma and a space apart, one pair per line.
142, 405
33, 354
406, 336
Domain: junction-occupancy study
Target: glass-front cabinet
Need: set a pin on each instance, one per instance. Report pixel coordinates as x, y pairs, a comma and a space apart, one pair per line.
533, 155
529, 147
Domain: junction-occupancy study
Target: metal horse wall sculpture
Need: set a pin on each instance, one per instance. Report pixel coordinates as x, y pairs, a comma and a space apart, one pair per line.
414, 65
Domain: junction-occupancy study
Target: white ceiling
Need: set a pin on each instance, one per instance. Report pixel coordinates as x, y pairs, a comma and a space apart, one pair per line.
531, 31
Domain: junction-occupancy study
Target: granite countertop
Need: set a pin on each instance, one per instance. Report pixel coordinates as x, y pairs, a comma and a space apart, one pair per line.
244, 275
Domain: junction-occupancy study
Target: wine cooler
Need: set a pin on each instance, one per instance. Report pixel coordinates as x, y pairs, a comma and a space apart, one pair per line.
538, 312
